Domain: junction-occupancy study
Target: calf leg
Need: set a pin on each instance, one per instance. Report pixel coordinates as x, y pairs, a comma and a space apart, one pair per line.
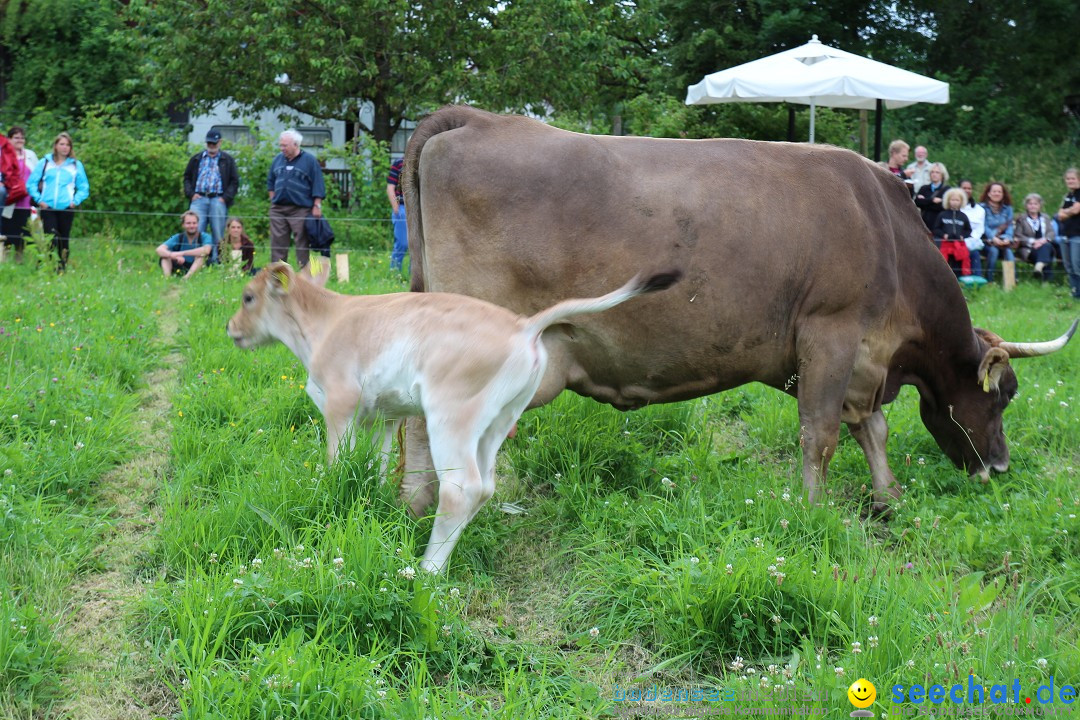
339, 414
871, 435
419, 481
461, 493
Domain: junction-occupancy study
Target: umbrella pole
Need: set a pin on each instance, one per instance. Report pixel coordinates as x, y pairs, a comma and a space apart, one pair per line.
812, 106
877, 132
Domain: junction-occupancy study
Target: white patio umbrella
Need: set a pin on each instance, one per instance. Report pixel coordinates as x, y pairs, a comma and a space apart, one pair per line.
817, 74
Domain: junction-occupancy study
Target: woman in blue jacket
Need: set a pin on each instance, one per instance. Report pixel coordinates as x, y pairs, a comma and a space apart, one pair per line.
57, 186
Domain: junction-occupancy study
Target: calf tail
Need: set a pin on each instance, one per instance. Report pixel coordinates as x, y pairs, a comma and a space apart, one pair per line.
448, 118
639, 285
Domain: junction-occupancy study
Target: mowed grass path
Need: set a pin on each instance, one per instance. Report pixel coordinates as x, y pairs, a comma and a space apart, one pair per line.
666, 548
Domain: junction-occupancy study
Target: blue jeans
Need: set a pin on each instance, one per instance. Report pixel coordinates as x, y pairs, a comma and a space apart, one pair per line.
401, 238
214, 210
992, 252
1070, 254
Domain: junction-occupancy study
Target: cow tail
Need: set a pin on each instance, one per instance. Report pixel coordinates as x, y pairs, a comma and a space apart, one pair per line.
450, 117
641, 284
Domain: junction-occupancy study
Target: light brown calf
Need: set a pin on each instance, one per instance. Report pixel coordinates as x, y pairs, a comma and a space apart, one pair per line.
468, 366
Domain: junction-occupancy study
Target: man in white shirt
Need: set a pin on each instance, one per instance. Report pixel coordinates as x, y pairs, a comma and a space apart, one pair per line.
919, 171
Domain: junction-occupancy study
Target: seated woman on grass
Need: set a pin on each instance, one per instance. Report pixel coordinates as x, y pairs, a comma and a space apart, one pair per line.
238, 242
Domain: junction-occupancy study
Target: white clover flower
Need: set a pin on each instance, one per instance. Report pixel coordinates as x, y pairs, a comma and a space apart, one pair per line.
749, 501
1042, 663
52, 423
694, 561
454, 592
872, 621
786, 497
14, 417
856, 648
237, 582
872, 641
256, 563
839, 671
780, 560
1006, 507
783, 523
910, 664
339, 562
737, 663
88, 419
666, 482
594, 632
728, 569
407, 572
8, 472
776, 619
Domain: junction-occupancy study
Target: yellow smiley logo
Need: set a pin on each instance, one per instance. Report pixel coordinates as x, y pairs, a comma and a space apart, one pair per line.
862, 693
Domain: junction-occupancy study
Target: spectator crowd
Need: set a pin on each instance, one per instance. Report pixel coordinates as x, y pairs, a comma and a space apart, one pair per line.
973, 235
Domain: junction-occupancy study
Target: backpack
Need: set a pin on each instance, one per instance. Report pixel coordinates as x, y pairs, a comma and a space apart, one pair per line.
320, 235
14, 185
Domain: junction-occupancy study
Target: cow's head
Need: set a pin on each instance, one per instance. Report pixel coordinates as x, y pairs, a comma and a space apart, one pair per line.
965, 417
261, 317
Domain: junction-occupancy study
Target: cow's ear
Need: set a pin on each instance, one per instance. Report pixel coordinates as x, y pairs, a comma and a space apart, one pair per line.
280, 278
994, 364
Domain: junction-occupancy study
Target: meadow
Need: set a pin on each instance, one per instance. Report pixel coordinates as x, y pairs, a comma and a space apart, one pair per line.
172, 543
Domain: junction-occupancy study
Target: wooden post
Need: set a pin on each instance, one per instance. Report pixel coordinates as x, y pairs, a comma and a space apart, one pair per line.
342, 267
3, 251
1008, 275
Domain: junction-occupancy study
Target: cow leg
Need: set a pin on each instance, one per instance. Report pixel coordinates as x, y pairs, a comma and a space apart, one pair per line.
462, 492
824, 373
871, 435
419, 481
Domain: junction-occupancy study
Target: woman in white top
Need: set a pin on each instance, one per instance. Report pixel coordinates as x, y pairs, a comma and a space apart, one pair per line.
977, 217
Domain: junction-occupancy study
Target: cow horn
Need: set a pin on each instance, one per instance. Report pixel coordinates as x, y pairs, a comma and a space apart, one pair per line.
1020, 350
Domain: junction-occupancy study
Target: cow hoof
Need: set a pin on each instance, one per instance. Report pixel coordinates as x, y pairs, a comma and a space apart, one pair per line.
881, 510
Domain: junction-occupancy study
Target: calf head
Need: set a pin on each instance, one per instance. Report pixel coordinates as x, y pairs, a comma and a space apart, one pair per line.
262, 316
965, 416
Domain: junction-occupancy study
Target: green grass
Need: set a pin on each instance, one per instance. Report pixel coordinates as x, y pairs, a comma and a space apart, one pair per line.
668, 547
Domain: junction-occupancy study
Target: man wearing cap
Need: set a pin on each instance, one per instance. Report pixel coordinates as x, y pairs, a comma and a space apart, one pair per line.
210, 183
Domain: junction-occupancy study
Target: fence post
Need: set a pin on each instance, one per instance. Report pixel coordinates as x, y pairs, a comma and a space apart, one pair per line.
1008, 275
342, 267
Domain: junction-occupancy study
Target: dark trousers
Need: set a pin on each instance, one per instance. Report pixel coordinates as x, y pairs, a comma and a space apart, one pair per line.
14, 229
58, 224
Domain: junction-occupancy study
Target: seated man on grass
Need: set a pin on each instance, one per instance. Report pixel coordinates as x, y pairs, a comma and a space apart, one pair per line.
185, 252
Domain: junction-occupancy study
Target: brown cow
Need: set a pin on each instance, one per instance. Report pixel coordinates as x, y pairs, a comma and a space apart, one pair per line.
807, 269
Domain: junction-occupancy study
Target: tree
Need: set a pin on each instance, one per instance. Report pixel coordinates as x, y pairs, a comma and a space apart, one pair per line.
63, 55
327, 57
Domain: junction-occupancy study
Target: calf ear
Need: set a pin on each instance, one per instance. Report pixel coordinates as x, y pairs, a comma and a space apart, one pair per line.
280, 278
994, 364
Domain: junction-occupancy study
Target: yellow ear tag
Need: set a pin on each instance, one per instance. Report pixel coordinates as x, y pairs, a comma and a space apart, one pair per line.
316, 266
282, 278
986, 382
